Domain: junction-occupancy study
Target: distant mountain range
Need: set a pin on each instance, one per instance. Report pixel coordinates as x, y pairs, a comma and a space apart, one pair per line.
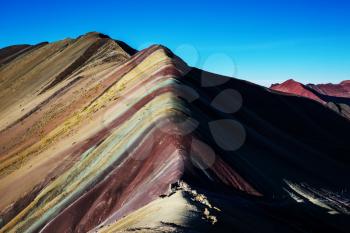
335, 96
98, 137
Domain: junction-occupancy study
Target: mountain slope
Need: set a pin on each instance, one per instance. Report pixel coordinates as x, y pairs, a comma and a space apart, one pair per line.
293, 87
335, 96
102, 138
339, 90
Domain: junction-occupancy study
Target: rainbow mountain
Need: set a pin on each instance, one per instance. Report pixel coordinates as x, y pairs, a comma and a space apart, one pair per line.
98, 137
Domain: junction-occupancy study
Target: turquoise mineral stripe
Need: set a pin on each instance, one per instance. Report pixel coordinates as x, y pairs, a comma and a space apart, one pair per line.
89, 170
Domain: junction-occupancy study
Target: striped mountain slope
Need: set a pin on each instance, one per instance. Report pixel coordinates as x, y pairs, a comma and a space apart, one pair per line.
95, 136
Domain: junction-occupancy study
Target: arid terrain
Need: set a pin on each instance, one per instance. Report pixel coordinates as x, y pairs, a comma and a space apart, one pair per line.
98, 137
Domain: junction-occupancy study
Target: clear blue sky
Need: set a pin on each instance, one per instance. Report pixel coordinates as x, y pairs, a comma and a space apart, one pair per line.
261, 41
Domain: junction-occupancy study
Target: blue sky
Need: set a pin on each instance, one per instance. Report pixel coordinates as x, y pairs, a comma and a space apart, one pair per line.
260, 41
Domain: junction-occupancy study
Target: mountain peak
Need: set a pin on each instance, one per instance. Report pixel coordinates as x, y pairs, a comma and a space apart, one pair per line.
291, 82
95, 34
293, 87
323, 93
345, 82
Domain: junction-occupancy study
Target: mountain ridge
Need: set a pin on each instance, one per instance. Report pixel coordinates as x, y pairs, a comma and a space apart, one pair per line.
335, 96
117, 137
